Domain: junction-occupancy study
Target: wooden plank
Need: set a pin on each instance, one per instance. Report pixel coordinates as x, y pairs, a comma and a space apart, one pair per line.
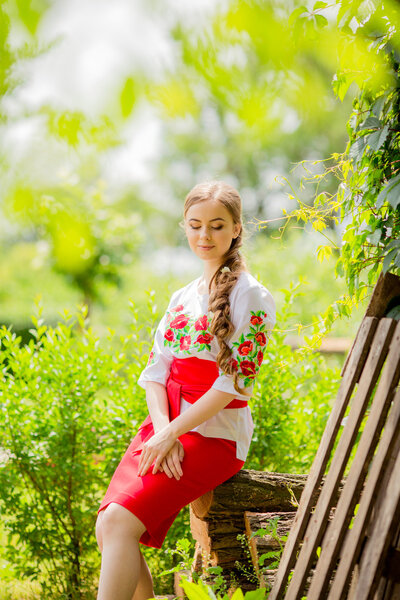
349, 497
318, 520
356, 357
389, 445
376, 548
361, 357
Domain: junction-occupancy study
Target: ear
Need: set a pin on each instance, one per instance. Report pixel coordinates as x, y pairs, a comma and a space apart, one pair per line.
236, 230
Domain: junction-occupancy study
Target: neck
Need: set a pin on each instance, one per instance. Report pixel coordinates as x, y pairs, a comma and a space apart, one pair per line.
209, 269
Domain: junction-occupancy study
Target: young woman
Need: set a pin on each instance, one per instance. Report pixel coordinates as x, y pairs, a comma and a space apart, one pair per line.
207, 351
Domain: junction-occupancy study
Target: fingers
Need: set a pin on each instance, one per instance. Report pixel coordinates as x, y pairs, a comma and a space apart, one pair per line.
170, 464
165, 467
181, 451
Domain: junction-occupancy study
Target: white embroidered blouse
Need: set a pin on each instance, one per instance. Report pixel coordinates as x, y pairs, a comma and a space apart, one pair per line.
184, 331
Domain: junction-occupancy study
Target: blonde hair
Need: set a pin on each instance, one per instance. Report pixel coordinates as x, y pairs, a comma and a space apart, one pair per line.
222, 281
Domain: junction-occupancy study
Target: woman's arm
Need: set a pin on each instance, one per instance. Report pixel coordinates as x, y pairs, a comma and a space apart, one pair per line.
160, 444
157, 403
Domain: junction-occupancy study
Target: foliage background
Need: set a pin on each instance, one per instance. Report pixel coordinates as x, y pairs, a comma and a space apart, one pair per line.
109, 113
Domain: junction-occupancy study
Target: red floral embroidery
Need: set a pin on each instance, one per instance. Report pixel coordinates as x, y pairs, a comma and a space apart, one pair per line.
169, 335
204, 338
179, 322
248, 368
177, 308
261, 338
184, 342
245, 348
151, 356
234, 363
260, 357
255, 320
201, 324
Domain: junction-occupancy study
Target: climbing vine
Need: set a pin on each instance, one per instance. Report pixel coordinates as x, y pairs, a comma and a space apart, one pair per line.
367, 202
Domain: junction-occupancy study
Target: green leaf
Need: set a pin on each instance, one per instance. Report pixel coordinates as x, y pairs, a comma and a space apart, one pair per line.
320, 4
238, 595
357, 148
390, 188
196, 591
388, 259
378, 105
375, 237
371, 123
297, 13
376, 139
321, 21
255, 594
127, 97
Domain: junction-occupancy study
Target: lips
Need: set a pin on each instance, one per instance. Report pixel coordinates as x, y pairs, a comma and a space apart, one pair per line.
206, 247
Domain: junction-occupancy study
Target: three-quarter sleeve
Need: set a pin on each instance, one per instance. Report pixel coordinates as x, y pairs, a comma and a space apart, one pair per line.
159, 363
253, 315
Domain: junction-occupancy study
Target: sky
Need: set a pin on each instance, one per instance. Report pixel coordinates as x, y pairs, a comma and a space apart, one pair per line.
95, 45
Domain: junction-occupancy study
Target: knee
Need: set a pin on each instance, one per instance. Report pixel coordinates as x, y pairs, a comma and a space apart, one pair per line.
119, 521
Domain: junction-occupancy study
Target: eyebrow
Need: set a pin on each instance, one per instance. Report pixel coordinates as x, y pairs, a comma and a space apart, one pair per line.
216, 219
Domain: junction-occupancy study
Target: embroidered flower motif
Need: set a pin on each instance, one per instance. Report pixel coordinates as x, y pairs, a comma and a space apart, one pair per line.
169, 335
177, 308
151, 358
261, 338
179, 322
188, 333
184, 342
245, 348
234, 363
248, 368
255, 320
201, 324
250, 347
204, 338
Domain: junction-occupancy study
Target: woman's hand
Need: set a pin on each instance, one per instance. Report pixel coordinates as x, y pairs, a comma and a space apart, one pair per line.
171, 465
156, 450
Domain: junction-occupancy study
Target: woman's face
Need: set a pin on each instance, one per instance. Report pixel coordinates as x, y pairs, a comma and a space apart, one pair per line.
210, 229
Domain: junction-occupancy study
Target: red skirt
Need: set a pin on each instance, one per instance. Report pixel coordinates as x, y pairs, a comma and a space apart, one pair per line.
156, 499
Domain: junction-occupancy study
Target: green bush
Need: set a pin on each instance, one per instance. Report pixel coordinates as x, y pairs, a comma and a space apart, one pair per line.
291, 401
70, 407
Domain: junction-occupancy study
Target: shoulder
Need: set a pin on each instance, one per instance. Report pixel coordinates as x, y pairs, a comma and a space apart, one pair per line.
248, 285
249, 294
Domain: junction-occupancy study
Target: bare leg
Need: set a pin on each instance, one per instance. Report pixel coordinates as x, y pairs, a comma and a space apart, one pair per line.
144, 588
118, 532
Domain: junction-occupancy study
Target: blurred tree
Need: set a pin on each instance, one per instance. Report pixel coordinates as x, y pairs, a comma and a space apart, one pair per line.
249, 95
55, 193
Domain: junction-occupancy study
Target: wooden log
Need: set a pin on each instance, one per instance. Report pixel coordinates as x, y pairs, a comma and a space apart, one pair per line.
259, 491
259, 545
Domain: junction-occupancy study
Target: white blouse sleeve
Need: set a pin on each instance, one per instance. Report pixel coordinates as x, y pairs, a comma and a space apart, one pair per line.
159, 363
253, 314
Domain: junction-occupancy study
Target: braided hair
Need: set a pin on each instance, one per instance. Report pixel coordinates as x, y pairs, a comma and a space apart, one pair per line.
223, 280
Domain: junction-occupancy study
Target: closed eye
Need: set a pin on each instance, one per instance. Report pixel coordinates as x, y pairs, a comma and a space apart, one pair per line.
215, 228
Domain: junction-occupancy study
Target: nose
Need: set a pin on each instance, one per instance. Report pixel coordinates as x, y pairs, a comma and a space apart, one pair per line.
205, 233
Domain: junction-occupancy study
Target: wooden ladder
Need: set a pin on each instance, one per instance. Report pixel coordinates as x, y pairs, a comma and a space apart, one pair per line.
355, 555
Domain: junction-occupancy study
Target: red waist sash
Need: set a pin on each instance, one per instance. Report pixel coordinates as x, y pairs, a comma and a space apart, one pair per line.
190, 378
